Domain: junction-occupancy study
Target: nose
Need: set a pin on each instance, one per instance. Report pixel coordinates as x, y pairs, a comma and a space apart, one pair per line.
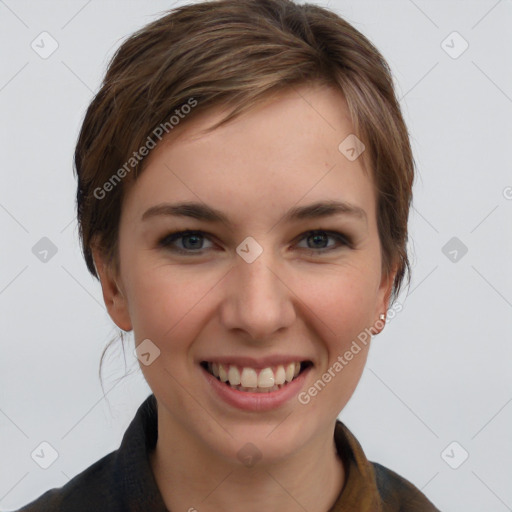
257, 299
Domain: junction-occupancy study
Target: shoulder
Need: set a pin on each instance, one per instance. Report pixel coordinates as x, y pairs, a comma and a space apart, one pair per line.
121, 480
398, 494
92, 489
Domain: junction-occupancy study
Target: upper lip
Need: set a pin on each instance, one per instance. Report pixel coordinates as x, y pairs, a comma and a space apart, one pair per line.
259, 363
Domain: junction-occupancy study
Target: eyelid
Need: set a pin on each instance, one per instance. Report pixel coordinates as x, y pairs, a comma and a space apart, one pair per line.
346, 239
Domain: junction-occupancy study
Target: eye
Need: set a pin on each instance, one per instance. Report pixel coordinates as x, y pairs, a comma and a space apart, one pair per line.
192, 241
319, 237
194, 238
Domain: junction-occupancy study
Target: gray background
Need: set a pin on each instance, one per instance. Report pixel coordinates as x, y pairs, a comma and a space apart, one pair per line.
439, 372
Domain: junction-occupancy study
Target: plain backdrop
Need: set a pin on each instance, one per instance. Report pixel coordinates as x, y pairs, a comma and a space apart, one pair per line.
434, 403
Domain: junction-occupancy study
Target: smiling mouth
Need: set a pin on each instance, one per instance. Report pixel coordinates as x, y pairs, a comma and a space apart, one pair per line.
256, 381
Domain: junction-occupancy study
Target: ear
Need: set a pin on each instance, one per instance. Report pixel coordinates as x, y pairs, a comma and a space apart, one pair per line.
383, 297
113, 294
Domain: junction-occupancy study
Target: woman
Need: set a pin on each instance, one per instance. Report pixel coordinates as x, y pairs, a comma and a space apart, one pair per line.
245, 177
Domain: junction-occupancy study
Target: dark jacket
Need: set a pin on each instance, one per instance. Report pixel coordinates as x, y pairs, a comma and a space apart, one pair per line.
123, 481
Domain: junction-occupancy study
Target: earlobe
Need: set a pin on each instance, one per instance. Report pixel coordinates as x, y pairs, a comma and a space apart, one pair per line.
113, 296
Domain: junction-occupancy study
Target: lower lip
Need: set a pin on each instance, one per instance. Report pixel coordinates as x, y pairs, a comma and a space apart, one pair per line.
256, 401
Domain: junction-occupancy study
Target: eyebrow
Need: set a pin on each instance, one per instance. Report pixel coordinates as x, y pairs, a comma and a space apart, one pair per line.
206, 213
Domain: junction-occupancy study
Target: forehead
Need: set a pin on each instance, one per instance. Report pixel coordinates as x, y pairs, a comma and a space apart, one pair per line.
282, 153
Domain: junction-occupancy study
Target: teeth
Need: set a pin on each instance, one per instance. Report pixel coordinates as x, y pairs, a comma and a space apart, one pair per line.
266, 378
280, 376
234, 376
290, 372
222, 373
248, 379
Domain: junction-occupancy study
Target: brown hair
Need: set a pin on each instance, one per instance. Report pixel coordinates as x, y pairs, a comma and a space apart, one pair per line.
236, 53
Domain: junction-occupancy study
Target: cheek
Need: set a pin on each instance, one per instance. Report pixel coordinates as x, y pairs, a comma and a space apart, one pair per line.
343, 311
167, 309
342, 299
166, 303
342, 303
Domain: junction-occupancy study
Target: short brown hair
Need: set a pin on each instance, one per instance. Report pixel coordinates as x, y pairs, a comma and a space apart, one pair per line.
235, 53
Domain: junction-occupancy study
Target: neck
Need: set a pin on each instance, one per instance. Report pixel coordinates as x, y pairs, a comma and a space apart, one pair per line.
189, 478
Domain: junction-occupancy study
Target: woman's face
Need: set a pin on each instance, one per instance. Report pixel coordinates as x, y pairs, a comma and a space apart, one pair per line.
256, 290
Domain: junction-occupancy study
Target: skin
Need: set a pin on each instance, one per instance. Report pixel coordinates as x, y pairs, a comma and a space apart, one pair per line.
290, 300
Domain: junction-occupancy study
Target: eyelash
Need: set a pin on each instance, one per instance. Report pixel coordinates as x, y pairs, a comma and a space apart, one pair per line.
166, 241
